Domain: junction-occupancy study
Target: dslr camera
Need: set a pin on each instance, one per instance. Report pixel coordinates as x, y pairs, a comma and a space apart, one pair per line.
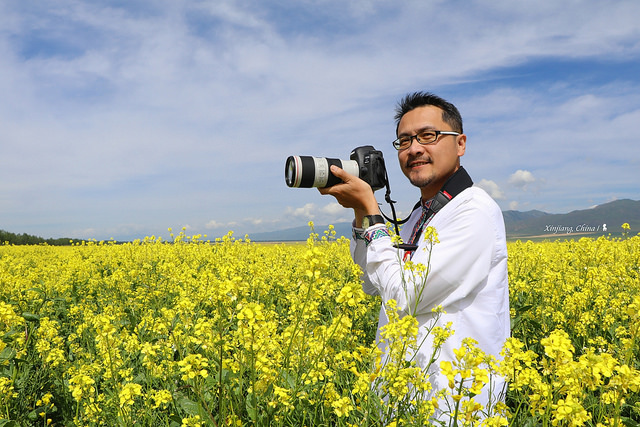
365, 162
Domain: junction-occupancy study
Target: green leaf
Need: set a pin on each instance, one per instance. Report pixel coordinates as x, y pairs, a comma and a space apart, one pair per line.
30, 317
189, 406
33, 415
7, 353
289, 378
251, 410
628, 422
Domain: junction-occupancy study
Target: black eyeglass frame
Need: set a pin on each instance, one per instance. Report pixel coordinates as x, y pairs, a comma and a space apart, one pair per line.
396, 143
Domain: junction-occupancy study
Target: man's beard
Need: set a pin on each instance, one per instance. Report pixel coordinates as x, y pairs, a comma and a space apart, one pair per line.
421, 182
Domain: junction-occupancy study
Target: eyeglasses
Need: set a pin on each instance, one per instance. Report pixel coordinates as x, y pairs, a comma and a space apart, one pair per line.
425, 137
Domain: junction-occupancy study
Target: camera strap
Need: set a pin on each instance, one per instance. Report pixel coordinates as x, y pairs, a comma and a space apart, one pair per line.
455, 185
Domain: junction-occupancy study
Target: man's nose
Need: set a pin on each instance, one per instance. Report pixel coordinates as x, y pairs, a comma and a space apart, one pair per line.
415, 146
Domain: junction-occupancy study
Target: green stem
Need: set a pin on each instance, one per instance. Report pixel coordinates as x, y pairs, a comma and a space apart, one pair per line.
221, 355
203, 401
285, 364
457, 410
324, 345
253, 378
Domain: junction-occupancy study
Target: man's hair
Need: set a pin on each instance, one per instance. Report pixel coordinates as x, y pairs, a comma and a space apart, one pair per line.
450, 113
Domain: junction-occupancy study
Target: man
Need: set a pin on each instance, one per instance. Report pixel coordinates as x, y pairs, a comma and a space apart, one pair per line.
467, 273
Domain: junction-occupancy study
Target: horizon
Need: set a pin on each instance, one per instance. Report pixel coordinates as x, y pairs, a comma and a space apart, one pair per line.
126, 120
320, 228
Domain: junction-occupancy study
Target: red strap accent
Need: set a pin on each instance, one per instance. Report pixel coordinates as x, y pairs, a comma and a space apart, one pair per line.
449, 196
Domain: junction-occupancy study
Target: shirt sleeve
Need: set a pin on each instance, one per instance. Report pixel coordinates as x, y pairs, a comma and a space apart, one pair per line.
358, 248
457, 266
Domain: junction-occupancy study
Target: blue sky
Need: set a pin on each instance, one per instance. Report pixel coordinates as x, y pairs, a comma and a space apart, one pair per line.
121, 119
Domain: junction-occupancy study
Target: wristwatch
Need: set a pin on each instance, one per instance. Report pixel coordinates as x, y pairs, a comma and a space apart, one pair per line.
370, 220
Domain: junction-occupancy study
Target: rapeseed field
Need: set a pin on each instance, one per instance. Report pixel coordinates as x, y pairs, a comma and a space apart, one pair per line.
234, 333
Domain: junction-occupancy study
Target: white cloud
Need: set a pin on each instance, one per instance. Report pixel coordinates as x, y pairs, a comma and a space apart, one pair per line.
327, 214
521, 178
308, 211
492, 188
513, 205
333, 209
213, 224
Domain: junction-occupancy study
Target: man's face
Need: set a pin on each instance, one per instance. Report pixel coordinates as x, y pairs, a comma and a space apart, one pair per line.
429, 166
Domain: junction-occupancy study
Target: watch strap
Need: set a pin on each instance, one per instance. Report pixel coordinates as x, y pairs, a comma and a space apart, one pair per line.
370, 220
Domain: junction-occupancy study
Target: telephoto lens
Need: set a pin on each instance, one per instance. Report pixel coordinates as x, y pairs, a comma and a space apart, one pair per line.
307, 171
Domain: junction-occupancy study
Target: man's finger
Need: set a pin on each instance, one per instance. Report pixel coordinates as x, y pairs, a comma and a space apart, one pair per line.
340, 173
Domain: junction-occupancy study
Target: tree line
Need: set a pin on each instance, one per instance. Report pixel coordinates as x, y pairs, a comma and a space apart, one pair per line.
7, 237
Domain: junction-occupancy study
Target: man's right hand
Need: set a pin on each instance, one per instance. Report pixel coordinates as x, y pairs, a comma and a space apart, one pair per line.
353, 193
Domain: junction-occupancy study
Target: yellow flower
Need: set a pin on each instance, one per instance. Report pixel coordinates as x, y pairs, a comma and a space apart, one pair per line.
351, 294
289, 326
571, 410
431, 235
194, 421
129, 393
558, 346
50, 344
283, 398
342, 407
446, 367
81, 385
161, 398
441, 335
396, 239
6, 389
194, 365
496, 421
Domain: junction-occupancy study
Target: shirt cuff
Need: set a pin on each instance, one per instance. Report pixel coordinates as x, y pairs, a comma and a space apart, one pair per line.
357, 233
375, 232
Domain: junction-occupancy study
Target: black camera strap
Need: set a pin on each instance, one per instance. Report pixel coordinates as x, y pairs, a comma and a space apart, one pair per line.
455, 185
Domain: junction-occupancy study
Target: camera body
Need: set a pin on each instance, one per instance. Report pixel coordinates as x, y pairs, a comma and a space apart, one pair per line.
371, 165
365, 162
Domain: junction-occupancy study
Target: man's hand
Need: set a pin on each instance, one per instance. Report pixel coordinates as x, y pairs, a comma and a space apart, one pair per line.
353, 193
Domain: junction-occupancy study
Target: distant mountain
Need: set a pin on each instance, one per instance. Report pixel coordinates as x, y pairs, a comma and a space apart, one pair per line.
513, 217
300, 233
600, 220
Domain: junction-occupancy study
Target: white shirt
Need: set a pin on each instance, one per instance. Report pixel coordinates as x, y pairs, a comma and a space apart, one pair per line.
467, 277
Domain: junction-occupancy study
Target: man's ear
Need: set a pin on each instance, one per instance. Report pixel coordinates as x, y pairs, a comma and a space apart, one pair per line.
461, 141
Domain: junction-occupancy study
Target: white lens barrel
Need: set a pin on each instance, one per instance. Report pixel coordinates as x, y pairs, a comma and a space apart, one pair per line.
307, 171
351, 167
